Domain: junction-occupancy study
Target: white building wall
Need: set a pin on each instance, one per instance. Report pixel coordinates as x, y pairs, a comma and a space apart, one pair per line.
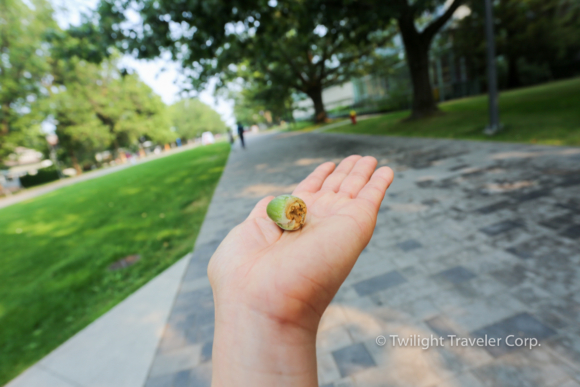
334, 96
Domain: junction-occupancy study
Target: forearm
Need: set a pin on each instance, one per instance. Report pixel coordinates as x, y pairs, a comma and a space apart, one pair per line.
252, 350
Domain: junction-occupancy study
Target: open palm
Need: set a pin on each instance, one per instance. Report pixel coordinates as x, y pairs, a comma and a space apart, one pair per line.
291, 276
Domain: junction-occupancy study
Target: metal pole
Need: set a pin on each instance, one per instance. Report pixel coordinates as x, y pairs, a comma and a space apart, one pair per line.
494, 124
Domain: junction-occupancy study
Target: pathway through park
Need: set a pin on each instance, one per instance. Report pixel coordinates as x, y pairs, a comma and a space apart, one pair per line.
473, 240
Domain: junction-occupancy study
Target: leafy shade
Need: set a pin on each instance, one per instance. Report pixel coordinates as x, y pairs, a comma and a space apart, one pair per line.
191, 117
23, 70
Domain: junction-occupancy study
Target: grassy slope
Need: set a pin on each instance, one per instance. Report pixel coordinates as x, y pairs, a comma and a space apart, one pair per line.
545, 114
56, 249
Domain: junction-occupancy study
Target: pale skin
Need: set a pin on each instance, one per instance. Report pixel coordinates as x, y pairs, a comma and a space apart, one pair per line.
271, 286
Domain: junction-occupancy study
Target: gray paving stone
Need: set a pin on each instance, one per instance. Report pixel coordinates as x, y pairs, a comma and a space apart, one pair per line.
520, 252
206, 352
160, 381
501, 227
200, 376
378, 283
523, 325
352, 359
558, 222
520, 198
536, 368
456, 275
572, 232
570, 181
181, 379
441, 326
521, 245
197, 334
409, 244
489, 209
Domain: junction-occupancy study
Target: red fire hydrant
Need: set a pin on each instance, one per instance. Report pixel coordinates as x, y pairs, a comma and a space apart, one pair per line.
353, 117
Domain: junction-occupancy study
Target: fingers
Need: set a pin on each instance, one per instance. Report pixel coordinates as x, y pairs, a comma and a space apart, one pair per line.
358, 176
374, 191
333, 182
259, 210
314, 181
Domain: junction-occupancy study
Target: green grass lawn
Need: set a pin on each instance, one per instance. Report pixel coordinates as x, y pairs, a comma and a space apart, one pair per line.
55, 249
308, 126
545, 114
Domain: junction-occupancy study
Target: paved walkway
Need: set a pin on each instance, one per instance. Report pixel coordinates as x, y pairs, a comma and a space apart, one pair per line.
473, 239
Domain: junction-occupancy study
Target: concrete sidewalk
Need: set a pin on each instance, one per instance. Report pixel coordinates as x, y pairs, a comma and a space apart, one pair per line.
117, 349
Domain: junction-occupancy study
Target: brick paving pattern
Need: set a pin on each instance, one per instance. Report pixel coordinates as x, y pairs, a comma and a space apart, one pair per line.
473, 240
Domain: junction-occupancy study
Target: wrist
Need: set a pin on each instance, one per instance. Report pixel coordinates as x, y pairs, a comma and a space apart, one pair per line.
250, 348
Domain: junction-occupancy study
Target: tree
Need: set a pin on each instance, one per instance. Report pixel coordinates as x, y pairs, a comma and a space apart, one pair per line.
418, 23
79, 130
97, 107
24, 71
306, 46
537, 38
191, 117
256, 102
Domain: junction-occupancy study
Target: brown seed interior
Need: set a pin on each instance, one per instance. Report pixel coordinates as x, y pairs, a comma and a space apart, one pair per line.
296, 212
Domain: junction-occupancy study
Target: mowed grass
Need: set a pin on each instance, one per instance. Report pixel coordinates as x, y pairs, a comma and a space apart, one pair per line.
546, 114
55, 249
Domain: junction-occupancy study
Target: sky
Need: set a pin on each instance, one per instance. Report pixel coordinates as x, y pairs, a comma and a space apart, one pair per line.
159, 74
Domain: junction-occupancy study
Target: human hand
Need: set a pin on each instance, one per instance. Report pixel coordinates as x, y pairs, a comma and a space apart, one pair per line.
282, 281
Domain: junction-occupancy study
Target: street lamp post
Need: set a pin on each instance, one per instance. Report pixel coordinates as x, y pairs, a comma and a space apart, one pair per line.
494, 124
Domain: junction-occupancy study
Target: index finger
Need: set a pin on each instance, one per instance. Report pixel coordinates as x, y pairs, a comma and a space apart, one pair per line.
314, 181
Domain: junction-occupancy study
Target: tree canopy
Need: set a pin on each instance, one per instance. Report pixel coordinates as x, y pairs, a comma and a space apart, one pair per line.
98, 107
191, 117
72, 77
305, 46
537, 39
24, 71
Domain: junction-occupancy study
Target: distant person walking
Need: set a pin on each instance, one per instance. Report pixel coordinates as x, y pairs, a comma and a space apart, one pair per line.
241, 134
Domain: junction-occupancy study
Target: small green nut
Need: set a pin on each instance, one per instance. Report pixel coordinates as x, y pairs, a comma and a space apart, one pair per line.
287, 211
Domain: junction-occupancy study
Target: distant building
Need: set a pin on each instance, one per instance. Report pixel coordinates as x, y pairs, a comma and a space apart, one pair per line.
333, 97
23, 161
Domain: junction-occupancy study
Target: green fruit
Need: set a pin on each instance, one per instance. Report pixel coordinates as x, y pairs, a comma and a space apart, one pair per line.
287, 211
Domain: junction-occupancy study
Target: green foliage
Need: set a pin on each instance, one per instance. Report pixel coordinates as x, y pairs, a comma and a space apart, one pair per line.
24, 70
97, 108
84, 42
304, 46
256, 103
536, 40
545, 114
56, 248
44, 175
191, 117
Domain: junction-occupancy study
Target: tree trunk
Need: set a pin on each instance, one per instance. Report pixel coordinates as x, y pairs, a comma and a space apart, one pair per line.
319, 111
76, 164
417, 52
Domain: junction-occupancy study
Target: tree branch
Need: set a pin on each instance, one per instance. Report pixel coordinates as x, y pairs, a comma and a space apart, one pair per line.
436, 25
